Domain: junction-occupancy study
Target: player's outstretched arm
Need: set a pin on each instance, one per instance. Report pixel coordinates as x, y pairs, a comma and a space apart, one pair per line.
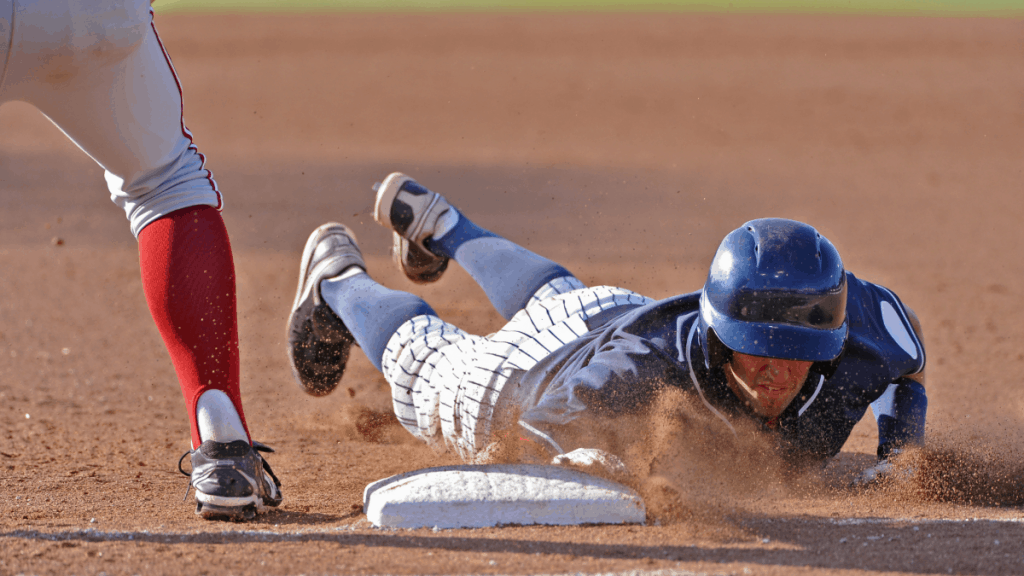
901, 414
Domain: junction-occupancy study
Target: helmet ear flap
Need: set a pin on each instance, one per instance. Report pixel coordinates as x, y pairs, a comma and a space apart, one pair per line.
828, 367
717, 352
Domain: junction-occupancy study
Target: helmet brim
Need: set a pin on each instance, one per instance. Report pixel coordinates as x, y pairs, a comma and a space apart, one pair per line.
777, 340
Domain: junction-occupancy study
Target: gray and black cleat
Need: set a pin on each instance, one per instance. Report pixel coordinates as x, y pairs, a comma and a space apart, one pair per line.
232, 481
318, 341
411, 212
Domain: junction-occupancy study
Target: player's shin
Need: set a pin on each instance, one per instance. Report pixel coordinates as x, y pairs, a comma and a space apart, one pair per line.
508, 273
371, 311
189, 280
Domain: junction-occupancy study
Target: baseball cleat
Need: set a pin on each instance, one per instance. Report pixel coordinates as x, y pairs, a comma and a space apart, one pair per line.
232, 481
318, 341
411, 212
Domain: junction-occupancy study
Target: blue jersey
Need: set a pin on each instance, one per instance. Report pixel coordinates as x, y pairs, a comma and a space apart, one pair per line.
632, 352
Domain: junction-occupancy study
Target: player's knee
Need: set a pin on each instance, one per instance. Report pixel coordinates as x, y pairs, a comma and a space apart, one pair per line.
162, 188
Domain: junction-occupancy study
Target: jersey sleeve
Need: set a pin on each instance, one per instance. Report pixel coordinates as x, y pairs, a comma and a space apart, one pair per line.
897, 325
618, 378
900, 411
895, 331
621, 377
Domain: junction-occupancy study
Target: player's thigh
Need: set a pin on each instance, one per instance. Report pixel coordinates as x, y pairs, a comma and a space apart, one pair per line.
113, 92
110, 86
561, 311
53, 41
422, 358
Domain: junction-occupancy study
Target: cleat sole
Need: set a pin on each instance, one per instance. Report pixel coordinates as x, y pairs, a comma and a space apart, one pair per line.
214, 512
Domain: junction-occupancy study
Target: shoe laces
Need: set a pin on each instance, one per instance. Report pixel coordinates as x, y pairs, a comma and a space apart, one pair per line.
258, 446
261, 447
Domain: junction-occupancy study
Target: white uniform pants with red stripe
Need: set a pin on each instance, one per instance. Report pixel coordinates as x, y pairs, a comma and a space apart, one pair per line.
97, 69
446, 384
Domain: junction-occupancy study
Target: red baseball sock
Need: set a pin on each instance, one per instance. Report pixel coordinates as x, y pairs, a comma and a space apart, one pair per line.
189, 278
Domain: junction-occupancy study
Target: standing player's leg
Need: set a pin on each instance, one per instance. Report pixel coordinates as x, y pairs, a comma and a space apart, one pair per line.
428, 231
116, 94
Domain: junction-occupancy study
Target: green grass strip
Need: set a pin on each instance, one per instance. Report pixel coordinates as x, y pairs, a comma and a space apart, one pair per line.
989, 8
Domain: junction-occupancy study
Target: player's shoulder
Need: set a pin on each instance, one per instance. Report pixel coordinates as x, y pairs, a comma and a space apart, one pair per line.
662, 311
656, 323
870, 299
666, 313
877, 315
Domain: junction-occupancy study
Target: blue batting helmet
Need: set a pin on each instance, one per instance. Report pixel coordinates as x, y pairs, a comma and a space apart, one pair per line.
776, 288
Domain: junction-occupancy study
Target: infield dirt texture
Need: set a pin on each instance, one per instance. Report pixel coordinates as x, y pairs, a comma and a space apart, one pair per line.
624, 146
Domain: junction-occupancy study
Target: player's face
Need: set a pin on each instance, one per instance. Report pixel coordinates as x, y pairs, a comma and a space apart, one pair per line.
767, 384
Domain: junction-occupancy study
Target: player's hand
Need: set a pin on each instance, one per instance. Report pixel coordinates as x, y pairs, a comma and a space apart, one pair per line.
882, 471
593, 461
872, 475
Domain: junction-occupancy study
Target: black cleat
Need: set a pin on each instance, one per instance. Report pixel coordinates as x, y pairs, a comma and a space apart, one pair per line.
232, 481
318, 341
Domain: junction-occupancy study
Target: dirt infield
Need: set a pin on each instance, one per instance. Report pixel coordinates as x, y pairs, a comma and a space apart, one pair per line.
623, 146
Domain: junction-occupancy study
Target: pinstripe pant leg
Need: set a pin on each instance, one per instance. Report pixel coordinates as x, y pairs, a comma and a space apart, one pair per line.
556, 287
418, 365
445, 383
555, 318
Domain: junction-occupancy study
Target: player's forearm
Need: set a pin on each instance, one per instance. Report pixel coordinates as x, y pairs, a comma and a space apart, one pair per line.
901, 414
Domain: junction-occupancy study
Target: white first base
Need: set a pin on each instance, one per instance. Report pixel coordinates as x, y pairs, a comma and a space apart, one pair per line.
499, 494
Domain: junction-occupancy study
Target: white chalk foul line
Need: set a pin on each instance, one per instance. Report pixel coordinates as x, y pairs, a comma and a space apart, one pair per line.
919, 521
644, 573
94, 535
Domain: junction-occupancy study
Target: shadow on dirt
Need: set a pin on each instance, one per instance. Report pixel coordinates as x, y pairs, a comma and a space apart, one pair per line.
875, 544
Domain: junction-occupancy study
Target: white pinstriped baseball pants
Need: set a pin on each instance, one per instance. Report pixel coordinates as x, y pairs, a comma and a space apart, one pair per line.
445, 383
